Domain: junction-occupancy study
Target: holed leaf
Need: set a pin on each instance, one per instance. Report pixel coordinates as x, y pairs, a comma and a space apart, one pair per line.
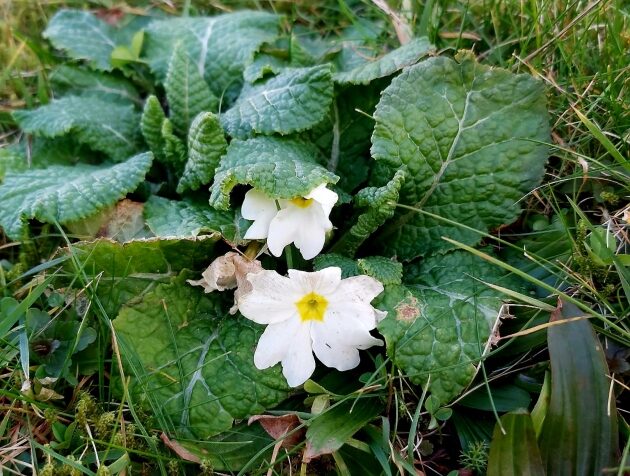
186, 219
104, 126
386, 65
186, 91
472, 138
439, 325
206, 145
64, 194
279, 167
82, 36
220, 46
293, 101
193, 362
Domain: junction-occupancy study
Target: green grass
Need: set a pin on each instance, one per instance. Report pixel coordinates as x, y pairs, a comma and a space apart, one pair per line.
579, 49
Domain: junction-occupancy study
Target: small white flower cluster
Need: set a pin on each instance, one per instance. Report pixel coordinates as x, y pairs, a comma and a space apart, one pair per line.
305, 313
301, 220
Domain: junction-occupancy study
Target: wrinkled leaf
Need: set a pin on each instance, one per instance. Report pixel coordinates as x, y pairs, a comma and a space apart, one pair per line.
293, 101
206, 146
186, 219
388, 64
84, 82
64, 194
104, 126
472, 138
206, 376
440, 324
281, 168
186, 91
151, 125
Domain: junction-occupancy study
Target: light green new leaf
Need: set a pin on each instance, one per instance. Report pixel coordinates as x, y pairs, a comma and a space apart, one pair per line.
186, 91
186, 219
124, 271
174, 148
279, 167
293, 101
193, 363
472, 139
206, 146
151, 125
386, 65
440, 324
64, 194
68, 79
380, 204
82, 36
219, 46
104, 126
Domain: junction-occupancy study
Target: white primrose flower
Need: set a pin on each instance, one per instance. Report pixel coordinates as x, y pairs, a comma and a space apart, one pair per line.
311, 312
301, 220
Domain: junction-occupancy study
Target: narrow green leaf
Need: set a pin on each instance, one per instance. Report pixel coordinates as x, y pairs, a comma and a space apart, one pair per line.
515, 452
206, 146
579, 434
64, 194
293, 101
379, 204
174, 148
151, 125
279, 167
186, 91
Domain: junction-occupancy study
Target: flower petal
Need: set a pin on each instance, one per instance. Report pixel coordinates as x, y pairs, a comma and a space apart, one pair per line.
271, 300
258, 207
327, 198
357, 289
299, 364
323, 282
340, 358
311, 236
274, 343
283, 229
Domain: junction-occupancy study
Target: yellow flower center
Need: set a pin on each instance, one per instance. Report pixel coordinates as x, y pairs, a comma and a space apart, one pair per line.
302, 202
312, 307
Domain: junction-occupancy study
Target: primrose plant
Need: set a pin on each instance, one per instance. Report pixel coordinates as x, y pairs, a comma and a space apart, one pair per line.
337, 187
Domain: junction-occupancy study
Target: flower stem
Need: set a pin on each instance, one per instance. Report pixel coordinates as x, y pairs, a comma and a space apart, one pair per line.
288, 254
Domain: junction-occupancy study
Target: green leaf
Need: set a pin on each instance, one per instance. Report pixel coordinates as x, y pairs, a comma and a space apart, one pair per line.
104, 126
11, 160
263, 65
186, 91
293, 101
579, 434
64, 194
348, 266
515, 452
174, 148
206, 376
219, 46
206, 146
68, 79
505, 398
472, 138
186, 219
386, 65
279, 167
440, 324
383, 269
82, 36
151, 125
330, 430
379, 204
123, 271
